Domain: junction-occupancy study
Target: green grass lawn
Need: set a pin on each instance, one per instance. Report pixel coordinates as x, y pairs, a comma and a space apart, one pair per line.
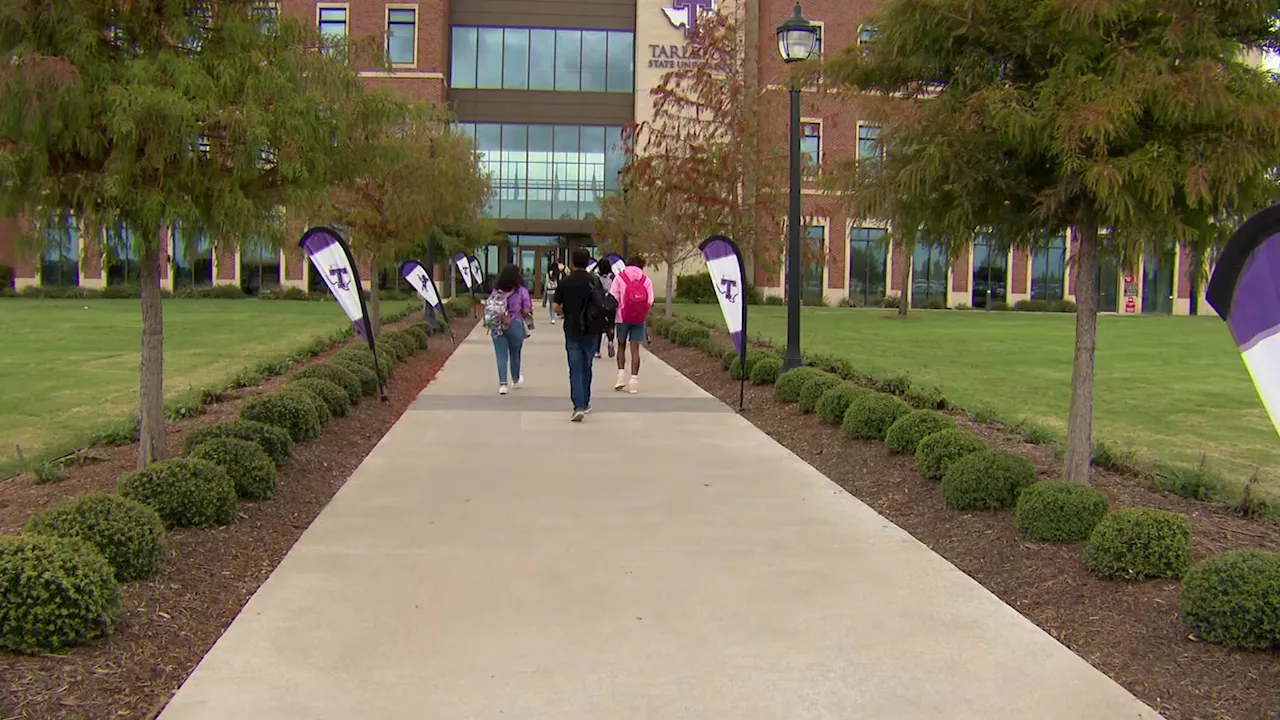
1169, 388
69, 368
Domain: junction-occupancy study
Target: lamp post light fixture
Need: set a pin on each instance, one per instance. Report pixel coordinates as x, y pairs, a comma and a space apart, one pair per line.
798, 40
626, 236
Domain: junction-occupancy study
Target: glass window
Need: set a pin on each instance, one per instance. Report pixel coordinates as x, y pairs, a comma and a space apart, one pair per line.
595, 55
929, 277
990, 273
463, 64
813, 261
621, 62
541, 172
259, 267
489, 58
122, 263
513, 173
1049, 270
268, 15
568, 60
811, 147
515, 59
615, 157
333, 27
591, 184
869, 142
402, 31
565, 179
191, 257
542, 60
60, 262
868, 264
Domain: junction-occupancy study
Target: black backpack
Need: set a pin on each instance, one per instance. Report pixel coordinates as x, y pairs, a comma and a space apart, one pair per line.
600, 310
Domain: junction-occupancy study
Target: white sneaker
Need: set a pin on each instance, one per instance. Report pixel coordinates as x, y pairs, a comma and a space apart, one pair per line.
502, 389
577, 416
553, 321
520, 382
622, 380
633, 387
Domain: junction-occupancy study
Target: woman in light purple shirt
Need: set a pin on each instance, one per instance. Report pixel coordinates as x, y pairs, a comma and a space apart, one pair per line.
508, 343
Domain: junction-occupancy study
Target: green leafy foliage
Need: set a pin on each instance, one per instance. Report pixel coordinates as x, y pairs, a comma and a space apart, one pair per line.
688, 334
766, 371
893, 384
367, 377
334, 397
870, 416
754, 356
48, 472
58, 593
986, 480
833, 404
460, 306
905, 434
248, 466
729, 357
925, 398
318, 406
698, 288
1059, 512
360, 355
185, 492
295, 415
1233, 599
274, 440
937, 451
1194, 483
336, 374
394, 346
421, 332
787, 388
128, 534
813, 390
1139, 544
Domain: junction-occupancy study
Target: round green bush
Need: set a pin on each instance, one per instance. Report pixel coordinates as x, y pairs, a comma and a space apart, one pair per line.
754, 356
185, 492
336, 374
334, 397
274, 440
871, 414
905, 434
687, 334
421, 333
1233, 599
813, 389
766, 371
1139, 544
360, 355
57, 592
128, 534
367, 377
936, 452
407, 339
296, 415
834, 402
248, 466
727, 359
790, 383
394, 345
1059, 512
323, 416
986, 480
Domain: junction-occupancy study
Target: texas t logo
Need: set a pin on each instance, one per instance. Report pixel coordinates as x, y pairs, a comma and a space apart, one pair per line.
728, 288
684, 13
338, 275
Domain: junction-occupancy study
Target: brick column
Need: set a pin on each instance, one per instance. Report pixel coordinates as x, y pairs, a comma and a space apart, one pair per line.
226, 264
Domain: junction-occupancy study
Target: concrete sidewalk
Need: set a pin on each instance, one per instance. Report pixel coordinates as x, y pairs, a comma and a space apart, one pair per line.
663, 560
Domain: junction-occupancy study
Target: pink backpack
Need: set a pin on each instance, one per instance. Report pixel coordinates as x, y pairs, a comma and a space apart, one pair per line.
635, 301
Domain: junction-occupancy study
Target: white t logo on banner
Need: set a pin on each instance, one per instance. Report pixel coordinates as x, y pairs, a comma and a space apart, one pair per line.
477, 274
724, 262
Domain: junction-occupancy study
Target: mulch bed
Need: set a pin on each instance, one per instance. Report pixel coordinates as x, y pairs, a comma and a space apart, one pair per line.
1130, 631
172, 620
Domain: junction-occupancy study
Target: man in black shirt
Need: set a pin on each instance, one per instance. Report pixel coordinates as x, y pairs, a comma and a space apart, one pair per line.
574, 300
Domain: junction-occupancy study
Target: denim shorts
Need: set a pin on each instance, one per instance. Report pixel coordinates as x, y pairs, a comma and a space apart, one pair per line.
631, 333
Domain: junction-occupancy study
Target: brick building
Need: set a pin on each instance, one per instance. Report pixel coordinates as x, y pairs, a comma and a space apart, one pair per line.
545, 87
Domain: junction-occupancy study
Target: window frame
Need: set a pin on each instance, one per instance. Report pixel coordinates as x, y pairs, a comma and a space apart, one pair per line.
816, 170
346, 22
881, 245
858, 149
417, 15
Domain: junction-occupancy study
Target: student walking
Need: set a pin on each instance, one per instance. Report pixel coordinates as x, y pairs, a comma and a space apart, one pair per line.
605, 276
634, 292
579, 301
505, 313
554, 275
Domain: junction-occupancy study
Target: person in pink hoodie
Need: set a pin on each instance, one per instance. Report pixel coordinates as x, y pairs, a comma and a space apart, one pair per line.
634, 291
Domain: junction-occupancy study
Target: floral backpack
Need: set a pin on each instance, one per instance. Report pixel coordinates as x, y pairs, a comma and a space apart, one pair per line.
496, 317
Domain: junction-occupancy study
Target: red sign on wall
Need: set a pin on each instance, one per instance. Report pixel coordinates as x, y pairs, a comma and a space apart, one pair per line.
1130, 305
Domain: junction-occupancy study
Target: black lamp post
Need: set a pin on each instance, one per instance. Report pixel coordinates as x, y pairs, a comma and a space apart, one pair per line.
626, 236
798, 40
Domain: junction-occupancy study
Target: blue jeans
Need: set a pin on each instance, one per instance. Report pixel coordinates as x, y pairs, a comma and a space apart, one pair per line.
507, 347
581, 351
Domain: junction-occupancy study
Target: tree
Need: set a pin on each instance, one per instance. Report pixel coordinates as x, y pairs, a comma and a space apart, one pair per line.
1025, 118
144, 113
413, 175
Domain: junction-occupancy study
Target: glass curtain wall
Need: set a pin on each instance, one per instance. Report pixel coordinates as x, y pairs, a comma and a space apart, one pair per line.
259, 267
990, 273
122, 263
929, 277
868, 265
532, 59
192, 258
1049, 270
60, 262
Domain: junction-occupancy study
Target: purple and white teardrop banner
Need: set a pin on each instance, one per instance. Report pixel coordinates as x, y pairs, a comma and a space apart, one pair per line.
591, 266
616, 262
464, 268
724, 262
421, 280
331, 257
477, 273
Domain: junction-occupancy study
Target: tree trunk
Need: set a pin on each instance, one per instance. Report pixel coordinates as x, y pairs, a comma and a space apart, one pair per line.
375, 307
1080, 416
904, 300
671, 283
151, 369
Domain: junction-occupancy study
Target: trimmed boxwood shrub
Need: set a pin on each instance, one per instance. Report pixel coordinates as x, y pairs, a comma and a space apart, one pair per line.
405, 340
834, 402
790, 383
334, 397
274, 440
1139, 544
870, 416
367, 377
1233, 599
687, 334
248, 466
360, 355
754, 356
936, 452
766, 371
905, 434
336, 374
421, 332
397, 346
127, 533
460, 306
728, 358
185, 492
813, 390
986, 480
58, 592
294, 414
317, 403
1059, 512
